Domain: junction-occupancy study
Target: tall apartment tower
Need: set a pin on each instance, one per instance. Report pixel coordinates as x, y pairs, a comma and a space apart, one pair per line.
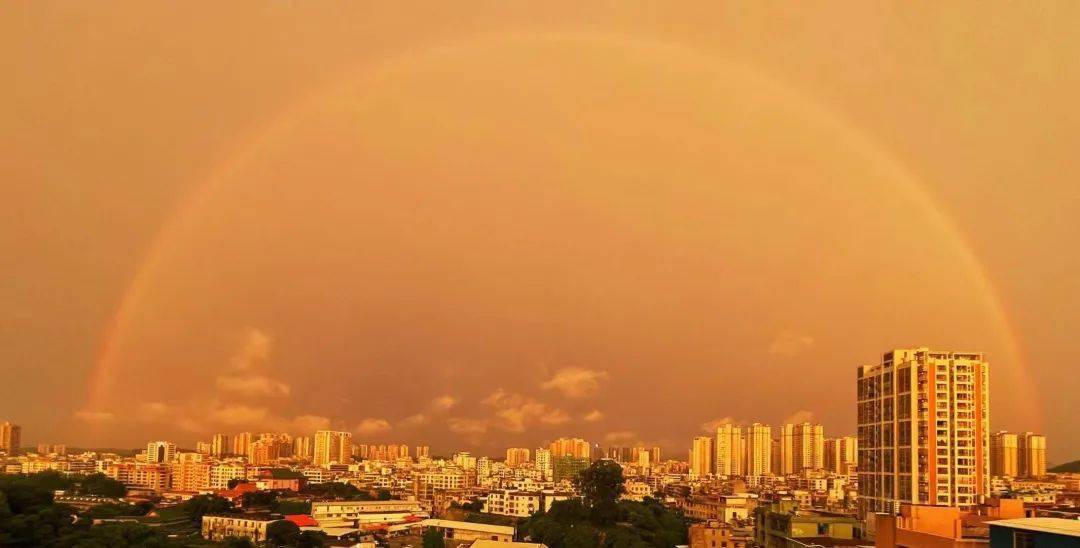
516, 456
701, 456
574, 447
808, 442
303, 447
1004, 454
841, 454
160, 451
10, 438
758, 450
423, 452
219, 445
1031, 449
728, 452
923, 418
242, 443
785, 460
332, 447
543, 460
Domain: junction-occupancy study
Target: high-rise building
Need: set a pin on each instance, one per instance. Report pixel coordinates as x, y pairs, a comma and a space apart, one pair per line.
303, 447
808, 442
841, 454
160, 451
1031, 449
241, 443
10, 438
574, 447
728, 453
655, 454
423, 451
516, 456
332, 447
51, 449
219, 445
701, 457
923, 420
1004, 454
758, 449
785, 456
543, 459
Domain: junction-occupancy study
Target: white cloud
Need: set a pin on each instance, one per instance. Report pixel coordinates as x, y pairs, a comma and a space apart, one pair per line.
414, 420
370, 427
444, 403
235, 415
94, 416
575, 382
308, 424
799, 417
789, 344
467, 426
516, 413
593, 416
252, 385
254, 348
712, 425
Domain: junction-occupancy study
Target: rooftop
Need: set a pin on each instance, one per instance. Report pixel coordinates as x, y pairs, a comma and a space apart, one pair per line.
1058, 526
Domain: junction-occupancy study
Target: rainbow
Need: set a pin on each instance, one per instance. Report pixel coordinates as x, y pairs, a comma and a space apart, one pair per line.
248, 148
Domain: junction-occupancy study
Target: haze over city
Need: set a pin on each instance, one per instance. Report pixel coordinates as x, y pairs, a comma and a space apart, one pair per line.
492, 225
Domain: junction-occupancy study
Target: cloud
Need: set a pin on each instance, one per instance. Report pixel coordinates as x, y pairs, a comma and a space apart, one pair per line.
254, 348
711, 426
235, 415
94, 416
516, 413
621, 436
467, 426
190, 425
799, 417
252, 385
308, 424
370, 427
789, 344
575, 382
414, 420
593, 416
444, 403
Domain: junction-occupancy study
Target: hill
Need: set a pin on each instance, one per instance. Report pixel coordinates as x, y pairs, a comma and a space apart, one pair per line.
1073, 466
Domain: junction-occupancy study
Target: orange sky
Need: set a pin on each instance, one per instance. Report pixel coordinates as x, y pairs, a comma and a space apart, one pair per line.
492, 224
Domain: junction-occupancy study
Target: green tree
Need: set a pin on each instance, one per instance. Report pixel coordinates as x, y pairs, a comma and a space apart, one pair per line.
600, 485
310, 539
433, 538
282, 533
201, 505
100, 485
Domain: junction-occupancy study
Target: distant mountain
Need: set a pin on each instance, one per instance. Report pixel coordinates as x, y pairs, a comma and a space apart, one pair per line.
1073, 466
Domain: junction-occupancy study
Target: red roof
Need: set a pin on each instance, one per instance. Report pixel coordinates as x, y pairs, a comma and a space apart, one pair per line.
302, 520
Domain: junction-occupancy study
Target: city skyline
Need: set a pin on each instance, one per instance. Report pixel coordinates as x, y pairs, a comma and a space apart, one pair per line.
483, 228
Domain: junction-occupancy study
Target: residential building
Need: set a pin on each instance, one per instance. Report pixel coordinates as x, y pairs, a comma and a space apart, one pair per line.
808, 445
758, 450
923, 421
332, 447
919, 525
717, 534
219, 445
728, 452
841, 454
160, 451
785, 456
249, 526
1031, 449
516, 456
701, 457
10, 438
423, 452
574, 447
303, 447
1004, 454
782, 524
241, 443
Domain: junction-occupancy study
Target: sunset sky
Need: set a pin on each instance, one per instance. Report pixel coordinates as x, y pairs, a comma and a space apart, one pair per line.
491, 224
